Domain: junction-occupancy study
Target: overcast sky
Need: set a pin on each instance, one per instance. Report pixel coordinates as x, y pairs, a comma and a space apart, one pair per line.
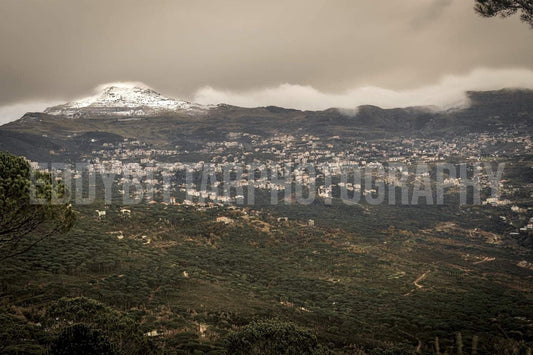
299, 53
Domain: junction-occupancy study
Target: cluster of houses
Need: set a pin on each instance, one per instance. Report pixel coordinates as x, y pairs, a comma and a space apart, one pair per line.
285, 148
136, 163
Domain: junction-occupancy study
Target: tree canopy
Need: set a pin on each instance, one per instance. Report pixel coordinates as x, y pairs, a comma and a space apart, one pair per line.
273, 337
81, 339
24, 223
505, 8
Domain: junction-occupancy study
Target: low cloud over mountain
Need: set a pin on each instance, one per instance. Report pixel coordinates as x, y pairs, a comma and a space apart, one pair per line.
449, 92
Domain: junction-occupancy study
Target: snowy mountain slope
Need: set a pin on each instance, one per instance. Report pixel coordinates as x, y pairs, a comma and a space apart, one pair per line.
125, 101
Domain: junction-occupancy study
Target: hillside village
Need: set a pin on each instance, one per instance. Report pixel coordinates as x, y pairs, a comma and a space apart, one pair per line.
279, 162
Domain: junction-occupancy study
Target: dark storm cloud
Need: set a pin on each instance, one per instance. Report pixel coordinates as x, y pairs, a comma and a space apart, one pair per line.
54, 50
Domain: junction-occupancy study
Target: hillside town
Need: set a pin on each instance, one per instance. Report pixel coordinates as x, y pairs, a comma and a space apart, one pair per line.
230, 171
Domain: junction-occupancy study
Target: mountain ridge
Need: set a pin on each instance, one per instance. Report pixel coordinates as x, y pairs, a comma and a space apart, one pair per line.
495, 112
124, 101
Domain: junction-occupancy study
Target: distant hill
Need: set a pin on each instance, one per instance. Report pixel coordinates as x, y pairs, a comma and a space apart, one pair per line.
118, 113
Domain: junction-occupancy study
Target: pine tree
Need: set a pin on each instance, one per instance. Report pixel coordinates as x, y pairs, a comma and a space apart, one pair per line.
505, 8
24, 223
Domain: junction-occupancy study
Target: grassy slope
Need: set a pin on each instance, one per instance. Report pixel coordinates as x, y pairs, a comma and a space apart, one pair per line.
350, 287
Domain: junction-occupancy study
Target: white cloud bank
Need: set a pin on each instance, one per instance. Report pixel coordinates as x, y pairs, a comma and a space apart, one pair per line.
450, 92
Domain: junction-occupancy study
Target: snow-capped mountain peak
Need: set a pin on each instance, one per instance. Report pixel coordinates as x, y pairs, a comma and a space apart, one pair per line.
121, 100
